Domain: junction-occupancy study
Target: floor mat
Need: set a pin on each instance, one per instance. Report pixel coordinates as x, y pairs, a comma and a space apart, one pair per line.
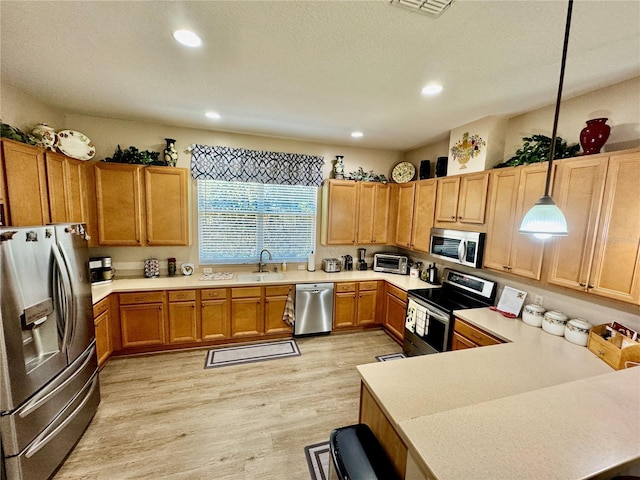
224, 356
318, 460
390, 356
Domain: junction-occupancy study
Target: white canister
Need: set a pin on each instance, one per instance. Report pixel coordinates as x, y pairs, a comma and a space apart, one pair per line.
414, 272
554, 322
577, 331
532, 315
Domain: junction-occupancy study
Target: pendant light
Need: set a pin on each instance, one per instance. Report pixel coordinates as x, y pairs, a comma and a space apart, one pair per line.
545, 219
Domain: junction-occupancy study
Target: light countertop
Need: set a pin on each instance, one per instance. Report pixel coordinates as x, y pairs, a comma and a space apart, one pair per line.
476, 404
404, 282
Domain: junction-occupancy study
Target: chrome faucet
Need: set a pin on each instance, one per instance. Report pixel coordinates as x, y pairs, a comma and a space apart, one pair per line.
261, 264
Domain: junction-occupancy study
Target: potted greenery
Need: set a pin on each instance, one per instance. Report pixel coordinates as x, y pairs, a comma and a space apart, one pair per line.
134, 156
537, 148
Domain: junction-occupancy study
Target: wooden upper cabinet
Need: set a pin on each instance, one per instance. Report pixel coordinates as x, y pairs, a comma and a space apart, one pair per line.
578, 193
416, 204
373, 212
423, 214
167, 210
119, 204
616, 261
512, 193
461, 201
601, 254
339, 212
404, 220
138, 205
66, 188
26, 184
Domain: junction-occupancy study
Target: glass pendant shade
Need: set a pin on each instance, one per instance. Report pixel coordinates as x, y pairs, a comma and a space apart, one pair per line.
544, 220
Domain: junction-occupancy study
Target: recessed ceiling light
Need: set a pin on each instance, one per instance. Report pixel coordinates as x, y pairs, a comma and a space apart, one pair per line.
357, 134
187, 37
432, 89
214, 115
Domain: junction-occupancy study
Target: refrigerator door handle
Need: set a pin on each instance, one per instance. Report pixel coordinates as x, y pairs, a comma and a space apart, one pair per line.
53, 430
64, 295
52, 389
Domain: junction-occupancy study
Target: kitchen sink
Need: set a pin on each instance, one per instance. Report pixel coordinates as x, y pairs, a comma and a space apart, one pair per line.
260, 277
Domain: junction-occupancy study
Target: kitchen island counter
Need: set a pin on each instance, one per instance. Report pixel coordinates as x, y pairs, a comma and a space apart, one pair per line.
423, 396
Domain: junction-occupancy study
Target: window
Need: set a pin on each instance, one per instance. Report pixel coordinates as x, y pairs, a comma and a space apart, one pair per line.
236, 220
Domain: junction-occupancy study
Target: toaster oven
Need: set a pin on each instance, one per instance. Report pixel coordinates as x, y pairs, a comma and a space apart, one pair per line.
391, 263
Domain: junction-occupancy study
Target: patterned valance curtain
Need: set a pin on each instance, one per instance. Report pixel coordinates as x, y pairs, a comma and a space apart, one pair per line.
242, 165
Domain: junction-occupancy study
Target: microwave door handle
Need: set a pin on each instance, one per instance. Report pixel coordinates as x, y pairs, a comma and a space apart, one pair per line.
462, 248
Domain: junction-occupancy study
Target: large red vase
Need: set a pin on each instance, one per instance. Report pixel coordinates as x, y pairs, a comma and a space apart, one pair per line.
594, 135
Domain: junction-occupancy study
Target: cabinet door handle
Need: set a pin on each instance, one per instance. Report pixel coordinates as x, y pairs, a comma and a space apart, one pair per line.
266, 301
582, 284
453, 217
590, 286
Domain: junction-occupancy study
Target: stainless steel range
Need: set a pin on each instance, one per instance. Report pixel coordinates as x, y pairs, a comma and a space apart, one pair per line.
429, 318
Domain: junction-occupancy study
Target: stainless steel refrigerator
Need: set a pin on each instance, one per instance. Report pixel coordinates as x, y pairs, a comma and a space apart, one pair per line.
49, 387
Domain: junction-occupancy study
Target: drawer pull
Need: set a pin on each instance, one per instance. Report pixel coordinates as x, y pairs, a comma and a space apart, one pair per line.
139, 299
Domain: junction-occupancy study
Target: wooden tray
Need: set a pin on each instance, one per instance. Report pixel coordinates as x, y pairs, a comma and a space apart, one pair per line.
610, 351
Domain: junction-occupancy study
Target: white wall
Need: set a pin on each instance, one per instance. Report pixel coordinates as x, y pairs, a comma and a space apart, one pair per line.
620, 103
23, 111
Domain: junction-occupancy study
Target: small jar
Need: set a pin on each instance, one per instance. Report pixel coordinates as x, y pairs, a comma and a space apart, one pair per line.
554, 323
577, 331
532, 314
172, 267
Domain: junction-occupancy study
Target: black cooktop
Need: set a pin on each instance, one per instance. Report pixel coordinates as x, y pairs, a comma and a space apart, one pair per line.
454, 296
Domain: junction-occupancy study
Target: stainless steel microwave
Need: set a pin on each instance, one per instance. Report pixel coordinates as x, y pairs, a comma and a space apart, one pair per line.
457, 246
391, 263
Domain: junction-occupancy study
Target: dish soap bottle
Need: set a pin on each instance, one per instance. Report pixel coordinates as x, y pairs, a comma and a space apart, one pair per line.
284, 266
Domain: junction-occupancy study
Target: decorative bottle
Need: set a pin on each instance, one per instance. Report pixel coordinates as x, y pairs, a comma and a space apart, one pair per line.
594, 135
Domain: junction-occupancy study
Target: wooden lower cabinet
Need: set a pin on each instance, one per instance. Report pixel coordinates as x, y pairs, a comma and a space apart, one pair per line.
395, 308
275, 301
355, 304
246, 312
372, 415
142, 319
102, 323
466, 335
214, 314
183, 317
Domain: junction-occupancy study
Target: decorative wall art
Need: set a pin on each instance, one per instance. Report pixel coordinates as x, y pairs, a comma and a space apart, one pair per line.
468, 147
476, 146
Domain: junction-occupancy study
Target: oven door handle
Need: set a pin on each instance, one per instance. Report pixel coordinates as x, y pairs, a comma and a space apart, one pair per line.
462, 249
444, 318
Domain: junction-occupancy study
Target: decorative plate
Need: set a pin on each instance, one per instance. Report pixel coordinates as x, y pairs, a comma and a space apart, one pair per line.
75, 145
403, 172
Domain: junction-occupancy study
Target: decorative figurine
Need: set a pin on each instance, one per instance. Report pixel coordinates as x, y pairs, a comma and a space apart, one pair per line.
338, 168
170, 153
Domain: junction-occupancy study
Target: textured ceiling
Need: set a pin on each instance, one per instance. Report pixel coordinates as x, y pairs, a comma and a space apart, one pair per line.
314, 70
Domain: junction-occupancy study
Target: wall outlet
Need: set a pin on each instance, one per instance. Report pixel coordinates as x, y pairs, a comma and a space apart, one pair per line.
538, 300
207, 270
302, 267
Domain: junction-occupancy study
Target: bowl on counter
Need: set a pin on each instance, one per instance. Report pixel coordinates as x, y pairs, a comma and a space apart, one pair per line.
532, 315
577, 331
554, 322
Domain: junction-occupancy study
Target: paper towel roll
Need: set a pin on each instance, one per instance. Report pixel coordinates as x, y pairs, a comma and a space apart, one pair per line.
311, 262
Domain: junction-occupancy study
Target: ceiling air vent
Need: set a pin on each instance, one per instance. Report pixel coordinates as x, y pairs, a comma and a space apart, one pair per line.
433, 8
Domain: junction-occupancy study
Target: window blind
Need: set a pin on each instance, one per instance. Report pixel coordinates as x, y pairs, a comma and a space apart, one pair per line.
238, 219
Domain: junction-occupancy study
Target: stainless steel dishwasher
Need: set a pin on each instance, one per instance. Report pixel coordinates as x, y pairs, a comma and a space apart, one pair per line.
314, 308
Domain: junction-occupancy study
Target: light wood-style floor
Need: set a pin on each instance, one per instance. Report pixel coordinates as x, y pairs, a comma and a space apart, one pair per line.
165, 416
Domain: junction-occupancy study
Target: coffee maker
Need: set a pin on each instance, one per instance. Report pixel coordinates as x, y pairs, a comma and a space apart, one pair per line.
348, 262
362, 264
100, 269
